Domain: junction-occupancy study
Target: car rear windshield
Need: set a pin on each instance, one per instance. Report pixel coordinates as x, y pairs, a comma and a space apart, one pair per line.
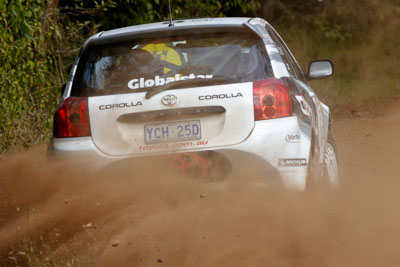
175, 62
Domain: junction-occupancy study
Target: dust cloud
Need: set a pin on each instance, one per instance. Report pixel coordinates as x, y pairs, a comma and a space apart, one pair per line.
140, 214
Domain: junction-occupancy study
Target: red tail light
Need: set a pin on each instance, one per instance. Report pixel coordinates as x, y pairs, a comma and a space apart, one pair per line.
271, 99
72, 118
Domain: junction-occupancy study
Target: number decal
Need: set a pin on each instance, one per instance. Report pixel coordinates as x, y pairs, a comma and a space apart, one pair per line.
188, 130
195, 129
180, 129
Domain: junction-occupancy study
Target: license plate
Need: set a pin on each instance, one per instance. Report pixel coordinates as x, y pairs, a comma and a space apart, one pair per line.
176, 131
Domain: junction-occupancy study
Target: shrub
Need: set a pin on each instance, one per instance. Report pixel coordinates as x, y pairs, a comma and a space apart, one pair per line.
30, 77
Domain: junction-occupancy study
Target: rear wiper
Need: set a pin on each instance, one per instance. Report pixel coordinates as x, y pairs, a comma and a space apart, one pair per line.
182, 83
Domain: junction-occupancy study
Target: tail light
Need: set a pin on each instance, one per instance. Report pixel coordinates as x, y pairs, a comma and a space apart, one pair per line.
271, 99
72, 118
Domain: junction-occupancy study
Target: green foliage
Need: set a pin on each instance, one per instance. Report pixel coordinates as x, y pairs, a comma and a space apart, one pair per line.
334, 22
115, 14
28, 75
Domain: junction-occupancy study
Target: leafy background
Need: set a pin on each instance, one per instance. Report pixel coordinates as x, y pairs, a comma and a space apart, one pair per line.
39, 40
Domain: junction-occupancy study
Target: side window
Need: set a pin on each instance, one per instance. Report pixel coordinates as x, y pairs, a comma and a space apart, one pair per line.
291, 64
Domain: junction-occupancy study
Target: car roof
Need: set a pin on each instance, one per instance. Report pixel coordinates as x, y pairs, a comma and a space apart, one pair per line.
179, 23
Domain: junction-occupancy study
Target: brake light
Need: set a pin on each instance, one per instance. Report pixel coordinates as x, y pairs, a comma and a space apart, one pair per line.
271, 99
72, 118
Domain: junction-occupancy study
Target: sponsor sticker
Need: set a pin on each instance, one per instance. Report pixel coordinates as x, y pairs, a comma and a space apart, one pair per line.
293, 137
159, 81
189, 144
292, 162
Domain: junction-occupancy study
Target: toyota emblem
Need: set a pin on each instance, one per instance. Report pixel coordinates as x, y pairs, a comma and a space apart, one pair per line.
169, 100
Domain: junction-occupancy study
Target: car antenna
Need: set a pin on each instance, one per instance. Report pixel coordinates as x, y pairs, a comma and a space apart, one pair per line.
171, 24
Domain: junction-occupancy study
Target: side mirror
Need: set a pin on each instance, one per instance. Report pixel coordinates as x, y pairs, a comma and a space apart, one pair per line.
319, 69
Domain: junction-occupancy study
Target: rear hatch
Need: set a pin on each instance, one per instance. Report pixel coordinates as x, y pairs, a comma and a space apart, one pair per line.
196, 118
175, 93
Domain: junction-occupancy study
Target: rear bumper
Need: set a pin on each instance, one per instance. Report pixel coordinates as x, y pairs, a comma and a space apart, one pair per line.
275, 148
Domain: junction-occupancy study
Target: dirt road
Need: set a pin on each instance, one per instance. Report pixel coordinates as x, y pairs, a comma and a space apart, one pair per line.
138, 218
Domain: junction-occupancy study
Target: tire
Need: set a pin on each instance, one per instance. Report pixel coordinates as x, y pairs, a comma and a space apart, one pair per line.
331, 170
329, 176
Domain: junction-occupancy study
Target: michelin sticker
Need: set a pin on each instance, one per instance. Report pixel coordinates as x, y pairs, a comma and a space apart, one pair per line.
292, 162
159, 81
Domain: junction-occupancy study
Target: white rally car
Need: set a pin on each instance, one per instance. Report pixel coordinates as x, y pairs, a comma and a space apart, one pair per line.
208, 94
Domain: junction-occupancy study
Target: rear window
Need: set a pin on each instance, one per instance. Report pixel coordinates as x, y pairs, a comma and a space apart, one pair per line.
177, 62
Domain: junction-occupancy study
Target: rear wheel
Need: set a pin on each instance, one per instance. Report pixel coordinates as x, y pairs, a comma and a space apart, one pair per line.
331, 171
329, 175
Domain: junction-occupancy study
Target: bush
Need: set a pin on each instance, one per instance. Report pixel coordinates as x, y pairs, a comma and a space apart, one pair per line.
29, 74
